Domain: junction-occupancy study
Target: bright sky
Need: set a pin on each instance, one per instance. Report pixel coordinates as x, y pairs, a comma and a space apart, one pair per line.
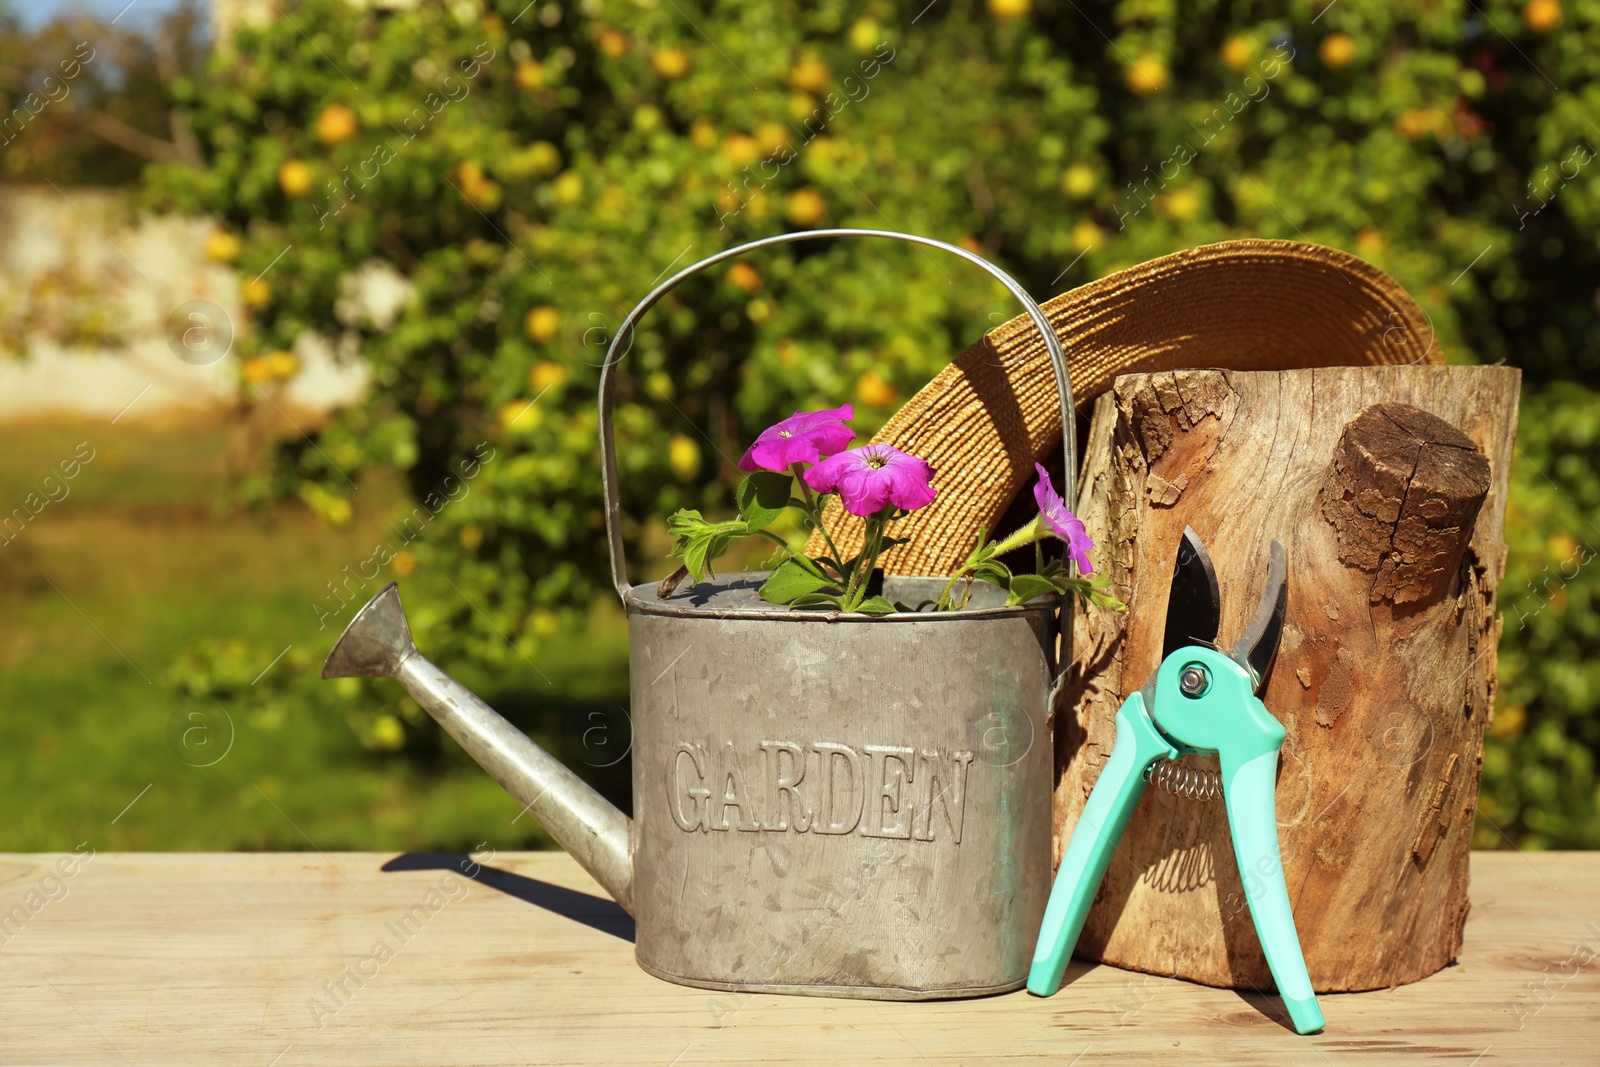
137, 14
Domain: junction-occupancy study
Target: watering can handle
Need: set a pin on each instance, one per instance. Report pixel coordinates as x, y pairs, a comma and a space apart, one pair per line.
620, 343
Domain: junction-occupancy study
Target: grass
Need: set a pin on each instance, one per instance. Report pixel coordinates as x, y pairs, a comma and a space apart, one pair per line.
104, 590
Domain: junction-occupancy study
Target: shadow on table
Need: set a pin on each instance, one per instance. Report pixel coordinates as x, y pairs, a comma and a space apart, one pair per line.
597, 913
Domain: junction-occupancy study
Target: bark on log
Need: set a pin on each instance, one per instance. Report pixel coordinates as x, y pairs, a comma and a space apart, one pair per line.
1387, 488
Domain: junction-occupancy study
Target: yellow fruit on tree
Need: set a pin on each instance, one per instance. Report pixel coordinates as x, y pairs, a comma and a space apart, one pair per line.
806, 207
684, 457
223, 246
255, 370
1542, 16
1079, 181
703, 134
386, 734
659, 383
613, 43
1369, 242
295, 178
771, 136
520, 415
970, 243
542, 323
282, 365
546, 623
1085, 235
809, 75
1180, 205
1415, 123
546, 375
470, 537
485, 196
529, 75
257, 294
865, 35
646, 117
404, 564
1148, 75
741, 148
1009, 9
336, 125
874, 392
1237, 52
543, 158
745, 277
1337, 50
568, 187
801, 106
670, 63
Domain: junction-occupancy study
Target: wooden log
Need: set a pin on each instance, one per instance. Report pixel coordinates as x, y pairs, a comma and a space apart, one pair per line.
1387, 488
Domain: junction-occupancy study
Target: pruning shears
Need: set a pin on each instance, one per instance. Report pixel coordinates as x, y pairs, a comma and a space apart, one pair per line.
1206, 701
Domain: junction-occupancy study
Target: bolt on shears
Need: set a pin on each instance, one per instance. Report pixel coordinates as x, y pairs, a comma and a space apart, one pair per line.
1205, 701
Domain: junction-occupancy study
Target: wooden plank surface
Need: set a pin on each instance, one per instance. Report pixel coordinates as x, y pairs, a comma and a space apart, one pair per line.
175, 959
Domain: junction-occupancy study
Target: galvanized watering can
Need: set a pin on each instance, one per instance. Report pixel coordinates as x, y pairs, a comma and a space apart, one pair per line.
824, 804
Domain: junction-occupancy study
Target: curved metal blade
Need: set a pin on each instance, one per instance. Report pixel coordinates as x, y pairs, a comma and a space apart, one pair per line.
1257, 646
1194, 606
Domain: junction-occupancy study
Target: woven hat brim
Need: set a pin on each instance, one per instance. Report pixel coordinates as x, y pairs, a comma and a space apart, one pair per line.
1240, 305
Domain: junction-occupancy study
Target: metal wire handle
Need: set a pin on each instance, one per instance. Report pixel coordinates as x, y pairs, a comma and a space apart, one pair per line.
619, 343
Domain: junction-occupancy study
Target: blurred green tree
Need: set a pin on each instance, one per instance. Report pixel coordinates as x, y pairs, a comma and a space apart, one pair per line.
528, 171
88, 103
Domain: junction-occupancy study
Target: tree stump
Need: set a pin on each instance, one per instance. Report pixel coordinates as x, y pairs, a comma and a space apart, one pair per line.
1387, 488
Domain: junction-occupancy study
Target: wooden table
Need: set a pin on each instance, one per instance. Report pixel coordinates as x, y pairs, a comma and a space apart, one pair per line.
234, 959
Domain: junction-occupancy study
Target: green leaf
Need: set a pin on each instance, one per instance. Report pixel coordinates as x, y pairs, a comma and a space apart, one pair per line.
829, 561
718, 546
684, 522
994, 572
811, 566
762, 496
695, 557
811, 599
1024, 587
789, 581
875, 606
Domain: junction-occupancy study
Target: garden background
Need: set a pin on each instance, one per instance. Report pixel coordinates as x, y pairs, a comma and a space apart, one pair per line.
411, 227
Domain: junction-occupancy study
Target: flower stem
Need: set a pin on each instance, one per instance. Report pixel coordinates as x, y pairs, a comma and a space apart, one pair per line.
871, 545
814, 512
1031, 534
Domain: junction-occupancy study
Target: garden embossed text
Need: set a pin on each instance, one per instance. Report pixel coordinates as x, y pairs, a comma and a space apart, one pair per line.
825, 787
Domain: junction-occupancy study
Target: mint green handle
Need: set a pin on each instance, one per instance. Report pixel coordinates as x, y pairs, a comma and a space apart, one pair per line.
1248, 787
1094, 838
1227, 718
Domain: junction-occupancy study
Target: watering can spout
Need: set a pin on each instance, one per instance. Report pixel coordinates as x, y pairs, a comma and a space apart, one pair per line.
378, 643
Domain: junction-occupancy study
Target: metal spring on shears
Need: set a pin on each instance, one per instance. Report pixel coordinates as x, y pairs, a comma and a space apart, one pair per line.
1182, 780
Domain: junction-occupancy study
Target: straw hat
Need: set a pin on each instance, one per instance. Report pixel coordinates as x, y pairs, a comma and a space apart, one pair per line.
1239, 305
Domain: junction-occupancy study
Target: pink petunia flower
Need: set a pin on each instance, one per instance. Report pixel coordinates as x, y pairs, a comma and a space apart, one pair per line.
804, 437
871, 477
1066, 525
